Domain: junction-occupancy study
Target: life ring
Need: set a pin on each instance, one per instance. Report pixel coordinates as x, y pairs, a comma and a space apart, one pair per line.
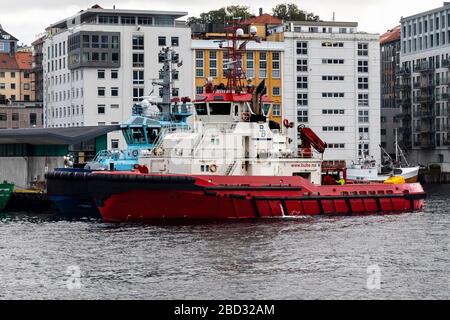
301, 127
213, 168
135, 153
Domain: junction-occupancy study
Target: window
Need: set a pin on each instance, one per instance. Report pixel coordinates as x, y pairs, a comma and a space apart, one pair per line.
26, 86
104, 40
128, 20
174, 41
2, 74
199, 63
363, 116
333, 44
137, 94
276, 91
333, 78
114, 74
276, 111
302, 82
302, 48
302, 99
100, 74
114, 106
250, 64
336, 145
138, 42
15, 117
275, 64
363, 49
363, 99
26, 97
114, 144
138, 77
13, 86
199, 90
302, 116
101, 109
363, 83
138, 60
161, 41
213, 63
333, 111
3, 117
95, 42
333, 129
363, 66
33, 119
333, 94
101, 91
332, 61
302, 65
363, 149
363, 133
115, 42
262, 64
114, 92
114, 57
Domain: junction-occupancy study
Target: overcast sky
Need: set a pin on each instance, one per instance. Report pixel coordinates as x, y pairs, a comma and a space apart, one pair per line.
25, 19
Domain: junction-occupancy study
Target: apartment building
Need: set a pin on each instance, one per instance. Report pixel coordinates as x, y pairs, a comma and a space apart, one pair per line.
424, 77
331, 83
390, 89
99, 62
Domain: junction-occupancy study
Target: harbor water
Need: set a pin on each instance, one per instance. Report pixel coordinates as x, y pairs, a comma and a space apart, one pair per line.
381, 257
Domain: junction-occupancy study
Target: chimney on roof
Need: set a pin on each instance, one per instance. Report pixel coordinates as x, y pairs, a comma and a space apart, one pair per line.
260, 11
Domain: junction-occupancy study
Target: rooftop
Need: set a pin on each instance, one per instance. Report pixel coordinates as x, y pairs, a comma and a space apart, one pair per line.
54, 136
262, 19
24, 60
326, 23
5, 35
8, 62
391, 36
417, 15
95, 10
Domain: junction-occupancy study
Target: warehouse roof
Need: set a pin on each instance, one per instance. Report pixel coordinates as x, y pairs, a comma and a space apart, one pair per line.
54, 136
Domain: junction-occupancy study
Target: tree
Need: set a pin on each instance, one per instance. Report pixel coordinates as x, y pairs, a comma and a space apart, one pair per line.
221, 15
291, 12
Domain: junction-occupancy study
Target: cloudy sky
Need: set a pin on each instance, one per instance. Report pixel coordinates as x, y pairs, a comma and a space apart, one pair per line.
25, 19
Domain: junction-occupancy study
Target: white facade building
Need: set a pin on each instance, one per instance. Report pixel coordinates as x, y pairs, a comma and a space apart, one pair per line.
331, 83
100, 61
425, 77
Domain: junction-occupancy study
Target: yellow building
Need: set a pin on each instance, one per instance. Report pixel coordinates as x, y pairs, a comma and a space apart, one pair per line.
261, 60
9, 78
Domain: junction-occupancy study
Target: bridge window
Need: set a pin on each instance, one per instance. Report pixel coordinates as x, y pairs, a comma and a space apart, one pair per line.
138, 135
152, 134
219, 109
201, 109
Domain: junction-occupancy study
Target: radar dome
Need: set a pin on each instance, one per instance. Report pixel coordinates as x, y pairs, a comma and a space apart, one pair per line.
253, 30
239, 32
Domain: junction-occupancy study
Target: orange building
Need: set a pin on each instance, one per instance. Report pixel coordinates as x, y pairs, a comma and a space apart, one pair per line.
25, 64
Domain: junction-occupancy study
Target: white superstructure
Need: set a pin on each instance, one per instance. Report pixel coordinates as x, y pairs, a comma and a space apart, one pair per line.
331, 83
101, 61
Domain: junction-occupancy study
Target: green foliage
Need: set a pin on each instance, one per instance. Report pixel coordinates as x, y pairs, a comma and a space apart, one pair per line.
221, 15
291, 12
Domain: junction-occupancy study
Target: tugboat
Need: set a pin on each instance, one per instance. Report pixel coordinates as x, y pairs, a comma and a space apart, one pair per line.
236, 164
6, 190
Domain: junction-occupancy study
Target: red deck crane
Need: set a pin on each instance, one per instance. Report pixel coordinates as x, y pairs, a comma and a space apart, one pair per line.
310, 140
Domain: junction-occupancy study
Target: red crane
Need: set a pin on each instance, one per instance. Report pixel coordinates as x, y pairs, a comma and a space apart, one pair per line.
310, 140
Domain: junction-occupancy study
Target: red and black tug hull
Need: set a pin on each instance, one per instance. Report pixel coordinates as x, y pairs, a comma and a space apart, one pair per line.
145, 197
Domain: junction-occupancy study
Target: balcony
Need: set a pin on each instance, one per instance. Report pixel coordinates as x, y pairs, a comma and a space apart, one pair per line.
424, 68
427, 84
417, 84
403, 72
446, 63
425, 99
403, 86
404, 101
